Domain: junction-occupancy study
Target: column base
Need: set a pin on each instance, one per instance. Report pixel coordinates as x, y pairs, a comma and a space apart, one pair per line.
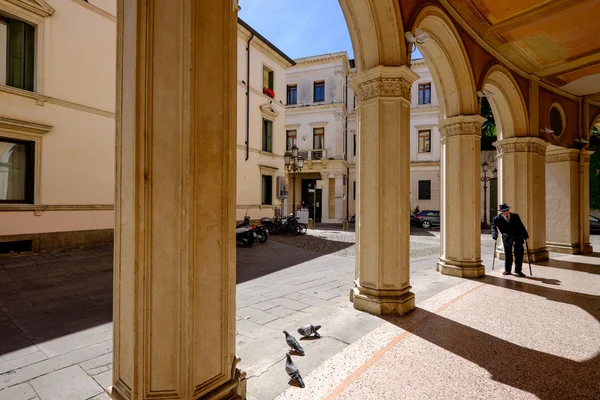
234, 389
537, 255
564, 248
382, 302
587, 248
461, 269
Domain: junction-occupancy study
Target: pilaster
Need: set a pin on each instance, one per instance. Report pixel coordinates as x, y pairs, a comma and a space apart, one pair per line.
522, 185
563, 200
174, 289
382, 284
461, 196
340, 203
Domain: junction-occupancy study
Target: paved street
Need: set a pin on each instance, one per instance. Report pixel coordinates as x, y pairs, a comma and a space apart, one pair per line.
56, 312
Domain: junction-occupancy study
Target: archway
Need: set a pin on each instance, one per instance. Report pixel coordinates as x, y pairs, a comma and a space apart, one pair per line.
460, 128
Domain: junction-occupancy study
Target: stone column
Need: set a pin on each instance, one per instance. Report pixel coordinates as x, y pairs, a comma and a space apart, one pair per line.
562, 200
584, 201
461, 196
382, 283
522, 185
340, 203
174, 291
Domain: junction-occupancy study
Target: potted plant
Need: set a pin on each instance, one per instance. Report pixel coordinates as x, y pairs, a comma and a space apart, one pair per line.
269, 92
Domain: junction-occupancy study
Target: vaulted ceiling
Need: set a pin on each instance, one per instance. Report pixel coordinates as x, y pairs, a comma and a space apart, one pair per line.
557, 40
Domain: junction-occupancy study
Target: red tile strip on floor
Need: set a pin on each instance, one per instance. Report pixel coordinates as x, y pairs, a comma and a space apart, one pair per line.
337, 391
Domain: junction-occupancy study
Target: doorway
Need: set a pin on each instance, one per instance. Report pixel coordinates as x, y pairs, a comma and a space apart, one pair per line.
312, 198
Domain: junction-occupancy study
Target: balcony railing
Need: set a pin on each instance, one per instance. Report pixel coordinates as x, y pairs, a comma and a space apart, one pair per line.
317, 154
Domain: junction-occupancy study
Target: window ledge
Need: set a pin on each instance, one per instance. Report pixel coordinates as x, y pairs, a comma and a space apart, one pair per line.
40, 99
54, 207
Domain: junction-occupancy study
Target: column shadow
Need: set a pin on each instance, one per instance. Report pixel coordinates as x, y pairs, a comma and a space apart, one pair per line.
545, 375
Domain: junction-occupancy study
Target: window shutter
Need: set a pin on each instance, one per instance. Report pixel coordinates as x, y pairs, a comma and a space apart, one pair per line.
16, 54
29, 57
271, 79
270, 136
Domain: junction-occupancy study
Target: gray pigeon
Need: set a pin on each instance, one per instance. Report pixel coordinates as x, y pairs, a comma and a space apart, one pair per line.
293, 371
293, 343
308, 330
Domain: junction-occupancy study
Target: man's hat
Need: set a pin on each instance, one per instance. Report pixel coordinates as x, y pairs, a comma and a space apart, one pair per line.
503, 207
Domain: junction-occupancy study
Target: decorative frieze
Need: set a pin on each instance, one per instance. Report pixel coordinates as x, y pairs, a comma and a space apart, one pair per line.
563, 156
384, 87
521, 147
461, 125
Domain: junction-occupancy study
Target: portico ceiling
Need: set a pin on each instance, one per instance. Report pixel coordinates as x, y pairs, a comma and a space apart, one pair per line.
556, 40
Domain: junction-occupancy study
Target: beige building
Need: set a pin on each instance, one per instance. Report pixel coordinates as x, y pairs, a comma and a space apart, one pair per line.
321, 122
260, 124
57, 123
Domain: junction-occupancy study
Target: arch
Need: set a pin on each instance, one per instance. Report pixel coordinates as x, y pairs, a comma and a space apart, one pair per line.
376, 32
508, 104
448, 62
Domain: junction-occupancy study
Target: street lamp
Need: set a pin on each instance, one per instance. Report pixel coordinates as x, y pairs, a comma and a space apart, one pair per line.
485, 179
293, 164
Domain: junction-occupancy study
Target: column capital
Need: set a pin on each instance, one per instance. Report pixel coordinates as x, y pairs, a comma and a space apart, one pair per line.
556, 154
521, 145
384, 82
461, 125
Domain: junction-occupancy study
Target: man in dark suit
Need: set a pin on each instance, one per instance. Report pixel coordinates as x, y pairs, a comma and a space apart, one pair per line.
513, 233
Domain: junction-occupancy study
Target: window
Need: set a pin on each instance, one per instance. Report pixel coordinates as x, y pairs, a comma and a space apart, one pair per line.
319, 91
268, 78
425, 141
318, 138
424, 93
267, 136
267, 190
292, 94
354, 148
354, 190
354, 103
424, 190
290, 139
16, 53
16, 171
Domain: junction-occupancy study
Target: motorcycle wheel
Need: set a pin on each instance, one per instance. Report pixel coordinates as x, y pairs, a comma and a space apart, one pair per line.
263, 236
301, 229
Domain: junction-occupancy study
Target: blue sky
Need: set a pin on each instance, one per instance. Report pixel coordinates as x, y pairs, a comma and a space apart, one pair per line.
299, 28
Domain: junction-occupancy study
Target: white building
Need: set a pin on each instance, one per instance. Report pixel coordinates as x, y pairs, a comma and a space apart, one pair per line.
260, 124
321, 122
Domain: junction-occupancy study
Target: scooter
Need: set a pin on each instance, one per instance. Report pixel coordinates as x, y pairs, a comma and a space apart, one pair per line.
260, 231
244, 234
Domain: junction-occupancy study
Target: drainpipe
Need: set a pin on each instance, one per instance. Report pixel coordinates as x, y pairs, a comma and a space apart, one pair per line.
248, 98
346, 150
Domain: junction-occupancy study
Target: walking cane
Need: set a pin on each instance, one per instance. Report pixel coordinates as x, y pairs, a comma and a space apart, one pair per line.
528, 258
494, 259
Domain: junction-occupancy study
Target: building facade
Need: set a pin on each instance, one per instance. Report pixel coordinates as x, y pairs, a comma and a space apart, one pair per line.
261, 83
57, 123
321, 122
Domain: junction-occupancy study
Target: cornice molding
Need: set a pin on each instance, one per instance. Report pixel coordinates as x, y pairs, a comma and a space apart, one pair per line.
23, 127
95, 9
38, 7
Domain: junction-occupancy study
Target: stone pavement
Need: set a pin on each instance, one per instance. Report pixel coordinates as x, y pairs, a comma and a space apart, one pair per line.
56, 312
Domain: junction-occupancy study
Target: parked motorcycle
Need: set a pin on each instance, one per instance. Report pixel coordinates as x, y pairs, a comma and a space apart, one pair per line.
260, 231
244, 234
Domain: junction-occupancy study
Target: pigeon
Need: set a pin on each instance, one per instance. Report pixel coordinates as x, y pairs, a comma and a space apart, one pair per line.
308, 330
293, 343
292, 371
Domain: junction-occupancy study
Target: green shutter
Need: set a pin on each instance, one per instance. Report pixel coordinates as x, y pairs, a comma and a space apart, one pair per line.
269, 136
21, 49
16, 54
271, 85
264, 135
29, 57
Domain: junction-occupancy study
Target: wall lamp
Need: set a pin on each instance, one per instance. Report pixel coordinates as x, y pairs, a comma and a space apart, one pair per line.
546, 130
485, 93
419, 37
